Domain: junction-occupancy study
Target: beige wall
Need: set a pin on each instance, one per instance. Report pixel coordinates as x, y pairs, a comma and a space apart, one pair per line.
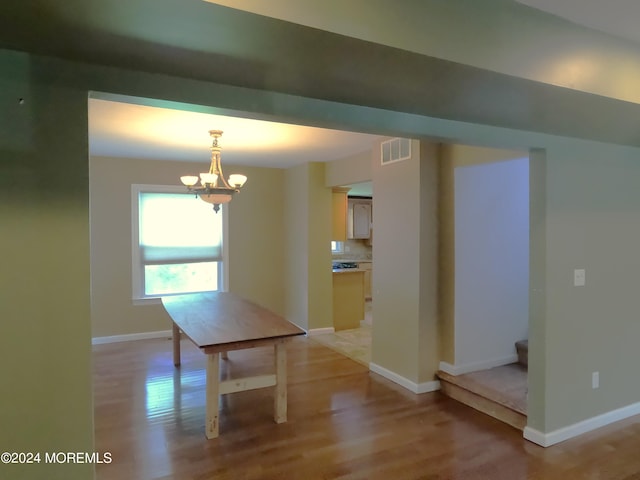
467, 155
348, 170
320, 276
447, 257
428, 321
257, 237
308, 247
255, 241
405, 336
297, 245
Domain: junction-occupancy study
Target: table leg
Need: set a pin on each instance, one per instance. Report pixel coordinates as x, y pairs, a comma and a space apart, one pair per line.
280, 397
176, 345
212, 397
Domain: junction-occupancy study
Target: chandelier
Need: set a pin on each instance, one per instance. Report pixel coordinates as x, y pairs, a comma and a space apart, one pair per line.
214, 188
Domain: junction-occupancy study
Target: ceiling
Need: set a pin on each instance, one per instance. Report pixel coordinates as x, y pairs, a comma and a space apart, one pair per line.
138, 131
615, 17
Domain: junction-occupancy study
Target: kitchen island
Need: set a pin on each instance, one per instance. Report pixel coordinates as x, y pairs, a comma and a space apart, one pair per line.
348, 298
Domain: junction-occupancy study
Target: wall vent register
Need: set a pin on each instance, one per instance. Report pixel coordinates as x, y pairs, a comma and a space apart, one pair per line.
395, 150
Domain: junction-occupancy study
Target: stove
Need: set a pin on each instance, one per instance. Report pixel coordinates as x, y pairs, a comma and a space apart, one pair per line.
343, 265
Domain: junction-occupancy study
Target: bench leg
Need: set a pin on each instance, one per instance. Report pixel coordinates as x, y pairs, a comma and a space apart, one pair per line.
212, 397
280, 397
176, 345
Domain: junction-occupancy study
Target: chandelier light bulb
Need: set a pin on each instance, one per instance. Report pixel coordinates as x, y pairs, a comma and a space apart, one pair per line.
189, 180
208, 178
237, 180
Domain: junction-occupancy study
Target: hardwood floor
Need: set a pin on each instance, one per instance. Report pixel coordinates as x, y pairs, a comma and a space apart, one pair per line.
344, 423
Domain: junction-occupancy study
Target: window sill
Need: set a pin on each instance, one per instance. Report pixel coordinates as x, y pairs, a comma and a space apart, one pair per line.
147, 301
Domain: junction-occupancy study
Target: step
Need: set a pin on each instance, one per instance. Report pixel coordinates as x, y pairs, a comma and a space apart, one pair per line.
466, 389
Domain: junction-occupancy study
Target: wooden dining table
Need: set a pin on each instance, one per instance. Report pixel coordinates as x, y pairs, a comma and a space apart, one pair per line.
219, 322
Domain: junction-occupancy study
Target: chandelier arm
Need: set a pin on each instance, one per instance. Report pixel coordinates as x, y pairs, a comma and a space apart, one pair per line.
218, 169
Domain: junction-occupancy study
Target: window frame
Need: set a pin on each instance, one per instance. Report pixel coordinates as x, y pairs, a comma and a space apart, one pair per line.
137, 267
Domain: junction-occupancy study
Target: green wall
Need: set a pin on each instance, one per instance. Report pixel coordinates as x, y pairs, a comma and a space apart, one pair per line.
499, 35
44, 211
592, 222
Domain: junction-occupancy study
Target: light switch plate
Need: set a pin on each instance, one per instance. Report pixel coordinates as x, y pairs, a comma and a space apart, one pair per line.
579, 277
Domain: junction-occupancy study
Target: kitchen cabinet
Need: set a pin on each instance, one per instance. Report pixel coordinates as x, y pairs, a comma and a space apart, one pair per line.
339, 210
359, 218
367, 268
348, 298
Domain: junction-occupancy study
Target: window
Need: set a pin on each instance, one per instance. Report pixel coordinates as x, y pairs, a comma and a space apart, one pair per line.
337, 247
177, 243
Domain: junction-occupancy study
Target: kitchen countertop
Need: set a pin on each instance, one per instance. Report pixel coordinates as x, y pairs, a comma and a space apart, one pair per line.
351, 260
348, 270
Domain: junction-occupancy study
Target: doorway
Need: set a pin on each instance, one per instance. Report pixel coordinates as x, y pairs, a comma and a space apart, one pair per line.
491, 288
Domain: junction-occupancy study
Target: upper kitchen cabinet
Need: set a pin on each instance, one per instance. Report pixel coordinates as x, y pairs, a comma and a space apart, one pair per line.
359, 218
340, 209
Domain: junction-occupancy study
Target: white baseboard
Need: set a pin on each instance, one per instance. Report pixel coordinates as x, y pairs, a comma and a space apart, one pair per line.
320, 331
130, 337
535, 436
571, 431
405, 382
476, 366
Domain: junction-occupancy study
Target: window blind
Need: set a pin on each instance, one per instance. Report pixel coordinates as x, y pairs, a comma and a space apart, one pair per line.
176, 228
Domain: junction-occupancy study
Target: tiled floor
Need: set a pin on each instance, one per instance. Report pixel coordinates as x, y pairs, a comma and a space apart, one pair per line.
355, 344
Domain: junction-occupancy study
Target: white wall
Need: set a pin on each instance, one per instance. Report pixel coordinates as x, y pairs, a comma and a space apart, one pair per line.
492, 262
